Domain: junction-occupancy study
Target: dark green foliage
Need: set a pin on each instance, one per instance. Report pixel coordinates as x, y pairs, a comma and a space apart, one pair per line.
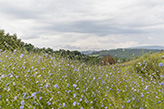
10, 42
76, 55
28, 47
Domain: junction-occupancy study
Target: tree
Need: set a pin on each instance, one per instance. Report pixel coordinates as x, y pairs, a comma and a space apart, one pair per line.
107, 60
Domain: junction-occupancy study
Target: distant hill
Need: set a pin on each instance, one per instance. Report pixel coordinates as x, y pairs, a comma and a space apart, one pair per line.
125, 53
155, 47
149, 47
87, 52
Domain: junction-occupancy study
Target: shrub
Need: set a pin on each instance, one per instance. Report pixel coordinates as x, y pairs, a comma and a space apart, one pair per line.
107, 60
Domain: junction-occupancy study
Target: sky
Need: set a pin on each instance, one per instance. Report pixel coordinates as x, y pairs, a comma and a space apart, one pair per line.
84, 24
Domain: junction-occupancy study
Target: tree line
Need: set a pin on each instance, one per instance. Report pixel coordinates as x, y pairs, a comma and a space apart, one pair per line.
11, 42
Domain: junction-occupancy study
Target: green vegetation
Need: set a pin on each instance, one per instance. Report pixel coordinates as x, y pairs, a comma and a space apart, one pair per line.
9, 42
148, 65
44, 81
41, 80
125, 54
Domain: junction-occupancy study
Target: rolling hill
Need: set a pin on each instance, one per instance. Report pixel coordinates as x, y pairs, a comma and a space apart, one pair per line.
126, 53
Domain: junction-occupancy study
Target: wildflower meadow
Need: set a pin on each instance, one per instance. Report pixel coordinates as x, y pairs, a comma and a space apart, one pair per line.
42, 81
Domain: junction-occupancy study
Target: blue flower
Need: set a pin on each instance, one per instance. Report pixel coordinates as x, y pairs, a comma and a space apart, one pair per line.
128, 101
161, 64
48, 103
21, 107
40, 98
47, 85
64, 104
15, 98
55, 85
74, 95
21, 56
142, 95
24, 94
74, 103
74, 85
22, 102
161, 83
33, 94
81, 99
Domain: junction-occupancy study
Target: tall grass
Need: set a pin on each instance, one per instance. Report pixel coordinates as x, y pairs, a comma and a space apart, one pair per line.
148, 65
29, 80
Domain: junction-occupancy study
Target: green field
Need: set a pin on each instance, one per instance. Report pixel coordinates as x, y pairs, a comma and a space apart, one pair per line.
42, 81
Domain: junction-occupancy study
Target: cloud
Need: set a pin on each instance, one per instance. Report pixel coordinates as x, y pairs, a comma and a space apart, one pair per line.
13, 11
94, 27
84, 24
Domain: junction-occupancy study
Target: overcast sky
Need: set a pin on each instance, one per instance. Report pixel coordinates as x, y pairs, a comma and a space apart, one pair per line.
84, 24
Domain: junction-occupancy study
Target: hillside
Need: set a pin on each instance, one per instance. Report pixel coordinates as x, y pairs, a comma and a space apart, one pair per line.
32, 80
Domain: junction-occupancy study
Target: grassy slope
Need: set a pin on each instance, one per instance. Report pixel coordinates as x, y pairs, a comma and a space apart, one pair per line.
43, 81
128, 63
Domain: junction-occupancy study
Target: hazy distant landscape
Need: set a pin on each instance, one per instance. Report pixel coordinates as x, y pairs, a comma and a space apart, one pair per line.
151, 48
